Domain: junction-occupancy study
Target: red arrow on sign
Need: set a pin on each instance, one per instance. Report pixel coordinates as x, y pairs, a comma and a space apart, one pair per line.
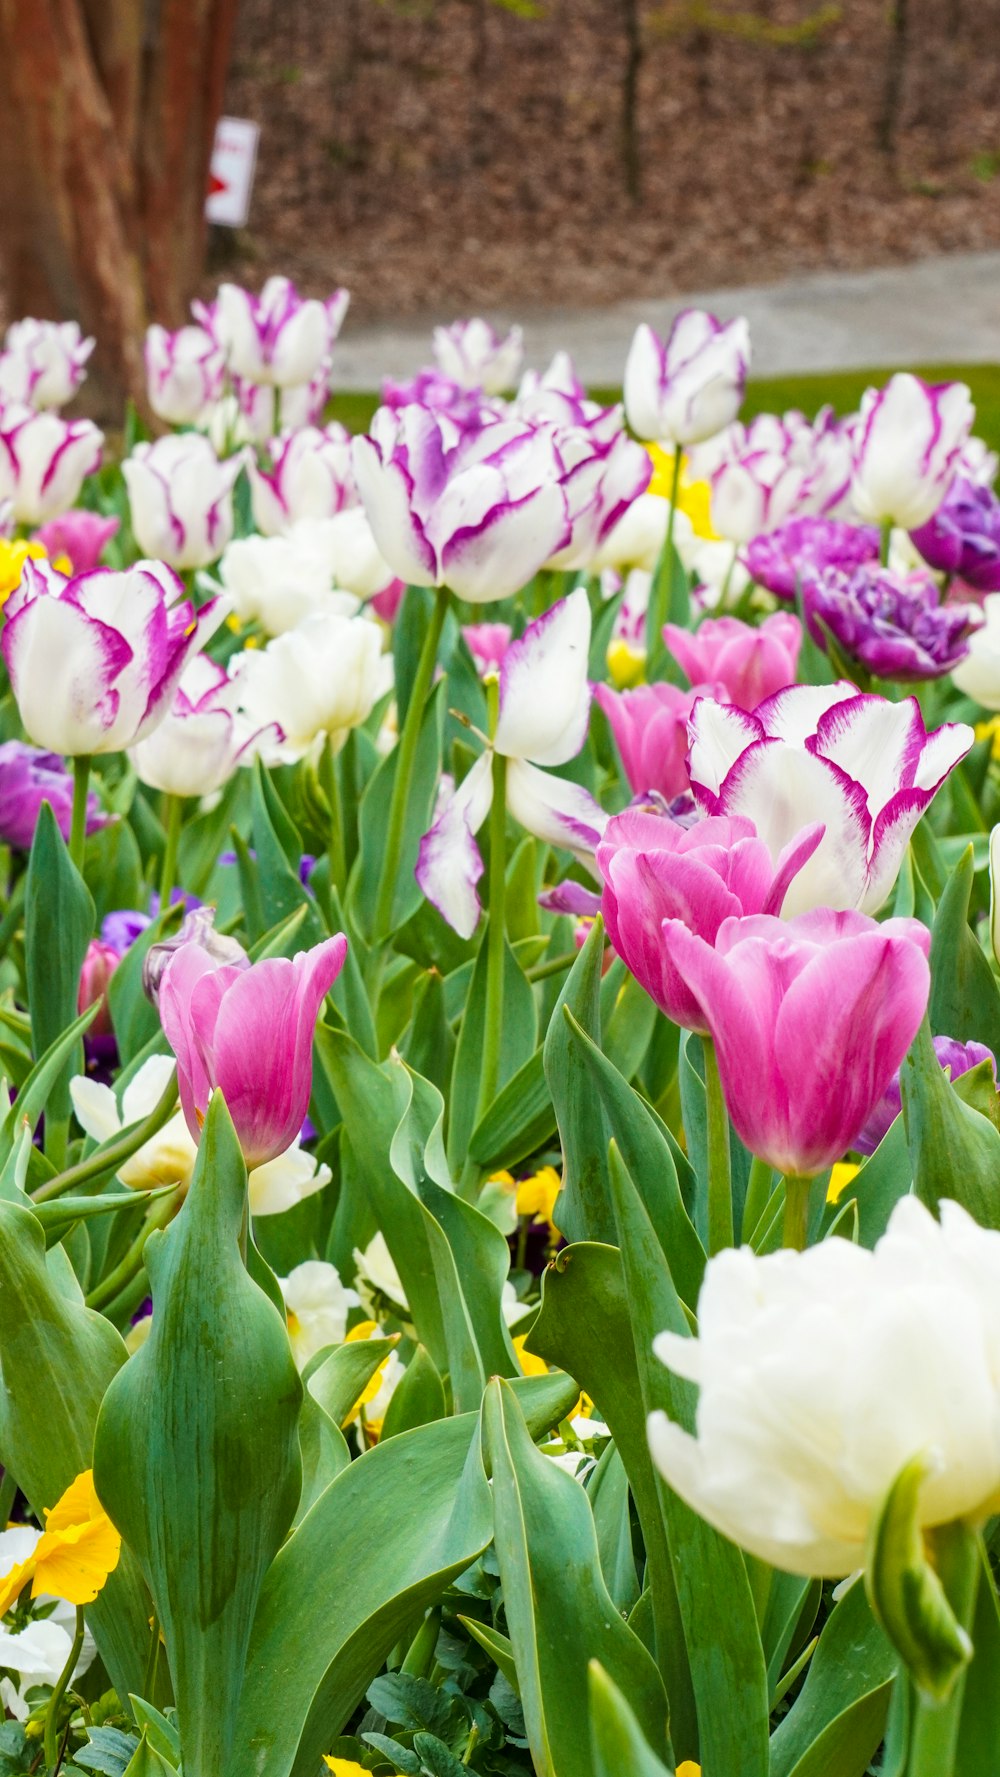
216, 184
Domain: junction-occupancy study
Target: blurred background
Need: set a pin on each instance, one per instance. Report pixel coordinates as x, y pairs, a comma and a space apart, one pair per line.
439, 157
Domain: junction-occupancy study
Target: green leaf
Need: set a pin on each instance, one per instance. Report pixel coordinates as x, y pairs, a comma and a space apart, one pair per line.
559, 1613
418, 1398
520, 1120
435, 1757
373, 822
213, 1394
518, 1042
413, 1704
135, 1019
340, 1379
59, 924
978, 1750
608, 1492
851, 1670
907, 1594
147, 1762
583, 1208
279, 847
965, 999
161, 1733
496, 1645
108, 1750
954, 1150
618, 1743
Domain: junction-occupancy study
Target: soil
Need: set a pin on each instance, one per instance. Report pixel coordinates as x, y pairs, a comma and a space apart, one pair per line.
438, 155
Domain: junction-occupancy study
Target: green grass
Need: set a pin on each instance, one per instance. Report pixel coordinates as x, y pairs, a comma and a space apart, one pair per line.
842, 390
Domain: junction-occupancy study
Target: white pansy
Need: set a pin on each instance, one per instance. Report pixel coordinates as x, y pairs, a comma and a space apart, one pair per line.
317, 1305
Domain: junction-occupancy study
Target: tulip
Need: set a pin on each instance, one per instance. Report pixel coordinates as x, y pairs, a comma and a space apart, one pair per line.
201, 740
656, 870
963, 536
44, 461
185, 372
358, 566
907, 448
94, 661
866, 768
544, 709
316, 1306
480, 515
688, 387
29, 777
277, 337
782, 558
248, 1031
650, 728
473, 355
99, 965
197, 927
278, 581
43, 363
487, 643
755, 492
462, 410
181, 499
893, 627
310, 477
810, 1017
750, 664
605, 472
978, 675
78, 537
956, 1059
822, 1374
320, 679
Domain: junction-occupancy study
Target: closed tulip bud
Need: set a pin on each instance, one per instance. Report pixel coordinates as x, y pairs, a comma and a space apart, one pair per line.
43, 363
320, 679
44, 461
99, 965
690, 386
78, 538
184, 374
277, 337
749, 663
907, 448
181, 499
475, 356
310, 476
650, 729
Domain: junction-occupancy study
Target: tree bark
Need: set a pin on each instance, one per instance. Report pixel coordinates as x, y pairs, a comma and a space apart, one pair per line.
634, 52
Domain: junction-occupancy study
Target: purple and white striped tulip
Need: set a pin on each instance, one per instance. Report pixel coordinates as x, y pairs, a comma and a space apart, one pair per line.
755, 492
43, 362
44, 461
184, 374
473, 355
907, 448
480, 515
605, 473
689, 386
181, 499
543, 718
277, 337
310, 476
203, 738
94, 661
866, 768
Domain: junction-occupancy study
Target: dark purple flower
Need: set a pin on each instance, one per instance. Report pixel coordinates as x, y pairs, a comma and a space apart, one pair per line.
894, 627
28, 777
963, 536
958, 1057
779, 559
121, 928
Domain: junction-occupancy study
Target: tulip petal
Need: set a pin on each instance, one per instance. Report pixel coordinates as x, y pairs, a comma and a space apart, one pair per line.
63, 667
497, 556
554, 809
544, 694
385, 492
449, 865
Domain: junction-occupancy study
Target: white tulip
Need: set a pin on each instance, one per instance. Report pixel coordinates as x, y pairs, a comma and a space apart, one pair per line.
322, 678
978, 675
278, 581
907, 448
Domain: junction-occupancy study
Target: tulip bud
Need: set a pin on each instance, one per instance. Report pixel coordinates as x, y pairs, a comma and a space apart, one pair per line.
198, 927
99, 965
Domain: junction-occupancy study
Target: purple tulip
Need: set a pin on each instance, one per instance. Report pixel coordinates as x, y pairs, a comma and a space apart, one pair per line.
810, 1017
121, 928
780, 559
185, 374
690, 385
894, 627
655, 870
247, 1029
79, 536
43, 362
650, 729
963, 536
44, 461
277, 337
957, 1057
750, 663
29, 777
310, 476
907, 448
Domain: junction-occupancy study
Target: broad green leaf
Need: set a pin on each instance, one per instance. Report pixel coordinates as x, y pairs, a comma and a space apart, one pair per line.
608, 1492
161, 1733
519, 1039
212, 1394
59, 925
617, 1741
147, 1762
278, 849
520, 1120
496, 1645
339, 1380
965, 999
418, 1398
559, 1613
583, 1209
373, 822
954, 1150
853, 1663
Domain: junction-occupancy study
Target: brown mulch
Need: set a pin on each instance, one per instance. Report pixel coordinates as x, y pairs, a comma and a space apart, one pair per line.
454, 154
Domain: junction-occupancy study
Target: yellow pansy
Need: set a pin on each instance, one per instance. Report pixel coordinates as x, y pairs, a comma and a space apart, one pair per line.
694, 498
345, 1767
536, 1196
626, 664
13, 556
76, 1551
990, 730
840, 1177
530, 1364
688, 1769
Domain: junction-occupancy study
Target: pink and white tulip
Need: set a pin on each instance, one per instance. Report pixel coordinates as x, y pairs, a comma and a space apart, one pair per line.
181, 499
44, 461
247, 1030
689, 386
866, 768
185, 372
310, 476
908, 448
43, 363
202, 739
277, 337
749, 663
94, 662
473, 355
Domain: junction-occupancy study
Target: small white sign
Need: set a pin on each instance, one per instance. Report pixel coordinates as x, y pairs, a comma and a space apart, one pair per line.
230, 174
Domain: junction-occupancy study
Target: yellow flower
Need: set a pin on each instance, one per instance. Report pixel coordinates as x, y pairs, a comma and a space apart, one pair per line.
626, 664
345, 1767
689, 1769
840, 1177
367, 1329
76, 1551
12, 559
530, 1364
990, 730
694, 498
536, 1196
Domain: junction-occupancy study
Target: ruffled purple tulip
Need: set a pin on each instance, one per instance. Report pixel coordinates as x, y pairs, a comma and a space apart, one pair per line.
480, 515
44, 461
247, 1029
963, 536
655, 870
79, 536
277, 337
907, 448
475, 356
689, 386
811, 1017
749, 663
780, 559
864, 767
43, 363
123, 926
310, 476
185, 373
94, 661
958, 1058
181, 499
893, 627
650, 729
29, 777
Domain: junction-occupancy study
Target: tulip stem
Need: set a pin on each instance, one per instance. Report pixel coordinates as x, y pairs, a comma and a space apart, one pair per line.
51, 1742
111, 1155
934, 1724
331, 788
659, 592
885, 542
489, 1076
78, 824
405, 757
796, 1226
172, 828
720, 1190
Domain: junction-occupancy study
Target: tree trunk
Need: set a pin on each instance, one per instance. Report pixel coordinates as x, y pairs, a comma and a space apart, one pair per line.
634, 51
110, 108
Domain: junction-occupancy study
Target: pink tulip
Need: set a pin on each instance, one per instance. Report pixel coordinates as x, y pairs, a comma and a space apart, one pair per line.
750, 663
248, 1030
650, 727
80, 536
99, 965
656, 871
810, 1017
